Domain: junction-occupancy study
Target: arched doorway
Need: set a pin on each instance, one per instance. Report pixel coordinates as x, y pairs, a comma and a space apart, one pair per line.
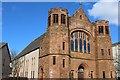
41, 74
81, 72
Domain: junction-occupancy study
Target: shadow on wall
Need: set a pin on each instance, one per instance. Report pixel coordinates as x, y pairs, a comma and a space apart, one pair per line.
15, 78
24, 78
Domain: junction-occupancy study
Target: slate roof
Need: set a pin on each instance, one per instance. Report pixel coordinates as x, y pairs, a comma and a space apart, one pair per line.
32, 46
2, 44
115, 43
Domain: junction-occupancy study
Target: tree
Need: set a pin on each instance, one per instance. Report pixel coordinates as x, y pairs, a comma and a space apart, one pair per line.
16, 67
13, 54
15, 63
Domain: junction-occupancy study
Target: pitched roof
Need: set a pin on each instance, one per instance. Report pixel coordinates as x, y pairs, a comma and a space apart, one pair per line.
79, 12
32, 46
117, 43
2, 44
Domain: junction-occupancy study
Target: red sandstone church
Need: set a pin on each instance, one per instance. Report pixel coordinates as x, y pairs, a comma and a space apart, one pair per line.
71, 47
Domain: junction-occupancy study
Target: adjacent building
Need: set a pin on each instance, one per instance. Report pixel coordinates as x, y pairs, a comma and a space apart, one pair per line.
71, 47
5, 60
26, 63
116, 56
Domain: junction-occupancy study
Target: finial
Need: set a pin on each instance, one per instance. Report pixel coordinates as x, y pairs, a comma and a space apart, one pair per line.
80, 5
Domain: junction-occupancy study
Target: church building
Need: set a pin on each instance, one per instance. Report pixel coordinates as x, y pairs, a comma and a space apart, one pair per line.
72, 47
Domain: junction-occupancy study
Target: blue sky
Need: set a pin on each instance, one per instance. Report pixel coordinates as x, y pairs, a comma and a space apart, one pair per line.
22, 22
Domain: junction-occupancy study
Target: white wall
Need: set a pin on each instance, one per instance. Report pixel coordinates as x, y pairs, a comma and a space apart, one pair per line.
116, 56
26, 64
34, 67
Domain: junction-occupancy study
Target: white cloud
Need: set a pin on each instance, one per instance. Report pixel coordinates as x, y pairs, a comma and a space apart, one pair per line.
105, 10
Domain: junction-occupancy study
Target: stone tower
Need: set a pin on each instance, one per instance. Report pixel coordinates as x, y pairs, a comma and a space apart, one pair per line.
57, 45
103, 52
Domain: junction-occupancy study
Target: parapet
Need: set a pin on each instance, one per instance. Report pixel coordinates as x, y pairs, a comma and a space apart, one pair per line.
58, 10
102, 22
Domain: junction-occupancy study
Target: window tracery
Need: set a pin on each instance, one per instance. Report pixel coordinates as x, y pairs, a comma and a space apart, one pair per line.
80, 42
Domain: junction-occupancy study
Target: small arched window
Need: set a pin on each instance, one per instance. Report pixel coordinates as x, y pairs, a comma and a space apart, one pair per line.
107, 29
49, 20
63, 19
101, 29
80, 16
55, 18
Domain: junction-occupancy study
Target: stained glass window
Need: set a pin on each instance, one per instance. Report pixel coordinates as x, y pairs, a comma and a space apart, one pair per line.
76, 45
79, 38
80, 45
72, 45
76, 35
84, 46
88, 47
72, 35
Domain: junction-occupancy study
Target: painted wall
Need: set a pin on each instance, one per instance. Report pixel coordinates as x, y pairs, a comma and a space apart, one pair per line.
116, 56
28, 65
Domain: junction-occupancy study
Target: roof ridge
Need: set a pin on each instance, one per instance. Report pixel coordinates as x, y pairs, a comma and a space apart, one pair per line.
116, 43
31, 46
2, 44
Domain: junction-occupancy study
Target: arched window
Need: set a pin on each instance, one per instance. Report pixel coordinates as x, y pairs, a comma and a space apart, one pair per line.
63, 19
80, 16
80, 45
55, 18
107, 29
72, 35
88, 47
72, 45
101, 29
84, 46
49, 20
80, 42
76, 44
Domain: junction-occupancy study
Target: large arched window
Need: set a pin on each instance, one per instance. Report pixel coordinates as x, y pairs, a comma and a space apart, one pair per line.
80, 42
